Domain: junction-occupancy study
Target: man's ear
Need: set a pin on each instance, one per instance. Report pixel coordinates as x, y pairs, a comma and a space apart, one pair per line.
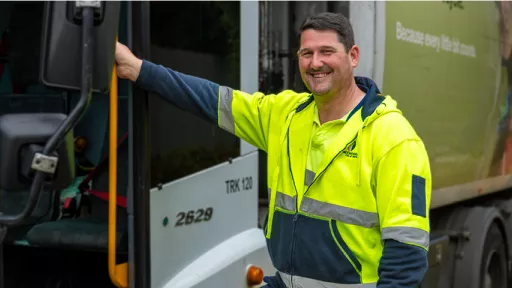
353, 53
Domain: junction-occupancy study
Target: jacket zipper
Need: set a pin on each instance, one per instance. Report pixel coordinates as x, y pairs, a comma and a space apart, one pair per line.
292, 246
296, 215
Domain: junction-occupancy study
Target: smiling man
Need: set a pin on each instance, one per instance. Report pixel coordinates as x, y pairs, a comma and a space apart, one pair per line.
348, 177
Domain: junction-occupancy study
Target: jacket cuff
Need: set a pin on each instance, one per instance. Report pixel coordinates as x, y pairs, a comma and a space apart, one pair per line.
146, 76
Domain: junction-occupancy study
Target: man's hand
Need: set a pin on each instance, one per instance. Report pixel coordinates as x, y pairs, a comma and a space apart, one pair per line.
128, 65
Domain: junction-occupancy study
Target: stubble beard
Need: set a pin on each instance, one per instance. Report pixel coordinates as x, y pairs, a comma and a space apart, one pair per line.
320, 87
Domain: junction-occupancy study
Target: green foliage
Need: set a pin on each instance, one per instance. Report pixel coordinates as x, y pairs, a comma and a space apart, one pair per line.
454, 4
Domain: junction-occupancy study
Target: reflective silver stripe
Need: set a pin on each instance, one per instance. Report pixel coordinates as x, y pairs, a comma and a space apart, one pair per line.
407, 235
302, 282
285, 201
226, 120
310, 175
340, 213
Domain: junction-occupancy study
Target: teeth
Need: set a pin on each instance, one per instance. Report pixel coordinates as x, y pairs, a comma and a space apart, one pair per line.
319, 75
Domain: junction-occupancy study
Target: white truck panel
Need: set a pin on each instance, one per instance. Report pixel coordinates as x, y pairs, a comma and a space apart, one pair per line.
225, 265
249, 54
203, 210
362, 18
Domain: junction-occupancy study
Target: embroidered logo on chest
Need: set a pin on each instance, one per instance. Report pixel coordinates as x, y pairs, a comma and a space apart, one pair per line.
349, 149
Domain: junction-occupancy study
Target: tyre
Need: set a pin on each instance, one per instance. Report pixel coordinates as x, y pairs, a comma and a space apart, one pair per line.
493, 269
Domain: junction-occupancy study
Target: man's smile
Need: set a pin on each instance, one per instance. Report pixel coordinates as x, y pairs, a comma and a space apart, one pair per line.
319, 75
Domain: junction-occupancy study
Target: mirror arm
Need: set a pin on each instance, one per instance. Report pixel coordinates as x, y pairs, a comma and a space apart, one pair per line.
42, 163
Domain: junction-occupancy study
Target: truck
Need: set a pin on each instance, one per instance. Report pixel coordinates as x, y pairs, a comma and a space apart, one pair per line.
103, 184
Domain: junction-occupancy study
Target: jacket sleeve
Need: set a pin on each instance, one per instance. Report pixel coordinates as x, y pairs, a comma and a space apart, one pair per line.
403, 190
245, 115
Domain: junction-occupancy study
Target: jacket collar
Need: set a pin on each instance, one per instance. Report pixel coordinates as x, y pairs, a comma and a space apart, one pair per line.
298, 133
369, 103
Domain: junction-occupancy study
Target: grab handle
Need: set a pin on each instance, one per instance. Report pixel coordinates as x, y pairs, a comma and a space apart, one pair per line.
118, 273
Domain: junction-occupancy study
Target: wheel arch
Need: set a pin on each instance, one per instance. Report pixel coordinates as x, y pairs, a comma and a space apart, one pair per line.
474, 223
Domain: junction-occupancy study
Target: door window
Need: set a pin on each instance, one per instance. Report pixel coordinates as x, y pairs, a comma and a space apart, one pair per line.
199, 39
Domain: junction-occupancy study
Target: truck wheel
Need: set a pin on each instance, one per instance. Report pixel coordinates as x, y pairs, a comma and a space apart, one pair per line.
493, 271
477, 255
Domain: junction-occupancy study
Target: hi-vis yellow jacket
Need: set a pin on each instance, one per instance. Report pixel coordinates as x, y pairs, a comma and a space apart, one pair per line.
363, 215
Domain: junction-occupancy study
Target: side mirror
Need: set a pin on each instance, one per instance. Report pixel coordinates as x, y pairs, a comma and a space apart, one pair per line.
78, 49
62, 44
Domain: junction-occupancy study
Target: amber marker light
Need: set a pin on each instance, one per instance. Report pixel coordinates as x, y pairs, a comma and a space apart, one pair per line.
254, 275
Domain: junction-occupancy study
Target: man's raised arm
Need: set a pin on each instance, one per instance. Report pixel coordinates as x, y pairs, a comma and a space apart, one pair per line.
245, 115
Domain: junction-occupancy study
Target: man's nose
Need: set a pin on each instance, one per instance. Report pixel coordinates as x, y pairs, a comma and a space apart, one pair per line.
316, 62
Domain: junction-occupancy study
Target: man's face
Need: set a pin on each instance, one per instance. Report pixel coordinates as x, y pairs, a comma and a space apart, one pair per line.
324, 65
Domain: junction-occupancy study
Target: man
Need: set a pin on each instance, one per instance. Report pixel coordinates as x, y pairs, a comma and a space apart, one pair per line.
349, 179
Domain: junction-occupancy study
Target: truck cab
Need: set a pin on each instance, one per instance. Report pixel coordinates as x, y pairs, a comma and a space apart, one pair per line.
106, 185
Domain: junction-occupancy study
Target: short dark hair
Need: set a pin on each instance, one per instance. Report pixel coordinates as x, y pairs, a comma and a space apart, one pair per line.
331, 21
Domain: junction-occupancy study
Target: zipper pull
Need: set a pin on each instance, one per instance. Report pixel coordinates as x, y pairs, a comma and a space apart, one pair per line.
295, 217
